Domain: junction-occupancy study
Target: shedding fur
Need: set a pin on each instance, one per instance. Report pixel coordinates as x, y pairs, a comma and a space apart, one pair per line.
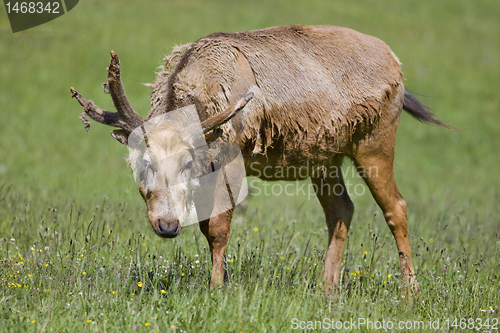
315, 86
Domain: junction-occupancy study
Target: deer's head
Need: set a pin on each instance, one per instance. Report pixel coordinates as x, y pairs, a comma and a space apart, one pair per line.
168, 157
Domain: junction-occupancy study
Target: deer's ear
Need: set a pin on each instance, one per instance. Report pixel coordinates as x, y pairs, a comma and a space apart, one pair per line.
121, 136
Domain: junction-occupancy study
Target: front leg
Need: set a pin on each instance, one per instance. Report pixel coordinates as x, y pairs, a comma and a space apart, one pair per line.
217, 230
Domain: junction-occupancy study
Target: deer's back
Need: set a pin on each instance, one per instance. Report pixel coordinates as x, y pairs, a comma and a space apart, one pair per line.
315, 85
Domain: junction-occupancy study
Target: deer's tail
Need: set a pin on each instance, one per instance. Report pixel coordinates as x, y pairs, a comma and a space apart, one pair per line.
419, 111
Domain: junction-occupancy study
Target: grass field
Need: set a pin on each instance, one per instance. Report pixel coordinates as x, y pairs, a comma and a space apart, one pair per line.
77, 253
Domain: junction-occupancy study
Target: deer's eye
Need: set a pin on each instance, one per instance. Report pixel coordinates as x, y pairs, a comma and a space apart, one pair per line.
187, 168
189, 165
148, 175
145, 193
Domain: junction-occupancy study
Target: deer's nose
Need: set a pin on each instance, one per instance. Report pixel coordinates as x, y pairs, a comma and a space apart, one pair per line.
168, 229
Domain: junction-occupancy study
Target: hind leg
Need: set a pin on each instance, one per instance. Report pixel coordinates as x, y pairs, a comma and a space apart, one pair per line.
338, 208
374, 159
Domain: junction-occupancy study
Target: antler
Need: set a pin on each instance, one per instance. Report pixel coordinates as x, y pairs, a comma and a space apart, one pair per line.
225, 116
126, 118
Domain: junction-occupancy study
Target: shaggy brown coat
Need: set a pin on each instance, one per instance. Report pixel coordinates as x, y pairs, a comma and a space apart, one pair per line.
314, 86
319, 93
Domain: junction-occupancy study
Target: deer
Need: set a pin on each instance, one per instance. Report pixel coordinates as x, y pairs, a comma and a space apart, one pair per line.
290, 96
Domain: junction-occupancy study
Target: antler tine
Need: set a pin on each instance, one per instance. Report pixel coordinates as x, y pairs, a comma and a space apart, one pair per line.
98, 114
118, 94
126, 118
225, 116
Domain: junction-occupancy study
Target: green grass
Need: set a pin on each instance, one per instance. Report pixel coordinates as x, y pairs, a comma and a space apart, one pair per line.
74, 241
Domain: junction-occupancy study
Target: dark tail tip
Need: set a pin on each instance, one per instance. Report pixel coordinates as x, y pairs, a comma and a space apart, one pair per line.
419, 111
